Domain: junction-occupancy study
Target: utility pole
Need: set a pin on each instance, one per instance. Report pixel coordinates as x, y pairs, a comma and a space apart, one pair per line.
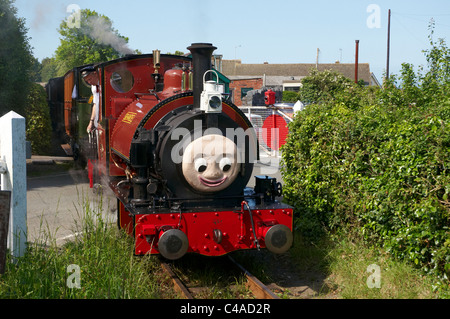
388, 44
317, 58
356, 60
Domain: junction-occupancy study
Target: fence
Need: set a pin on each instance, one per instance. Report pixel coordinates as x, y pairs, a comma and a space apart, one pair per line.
270, 124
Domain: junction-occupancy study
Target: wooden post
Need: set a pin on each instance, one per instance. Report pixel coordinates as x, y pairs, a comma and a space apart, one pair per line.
5, 202
14, 179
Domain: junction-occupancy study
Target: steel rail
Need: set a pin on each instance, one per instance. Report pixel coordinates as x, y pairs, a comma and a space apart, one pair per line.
177, 283
259, 290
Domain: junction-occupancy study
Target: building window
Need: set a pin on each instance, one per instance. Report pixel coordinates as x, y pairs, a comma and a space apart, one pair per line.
244, 92
292, 88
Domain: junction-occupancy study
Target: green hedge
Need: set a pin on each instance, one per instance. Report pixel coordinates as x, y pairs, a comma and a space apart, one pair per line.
376, 162
385, 170
290, 96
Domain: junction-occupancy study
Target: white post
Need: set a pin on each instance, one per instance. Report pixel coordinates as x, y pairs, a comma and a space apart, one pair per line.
274, 134
14, 179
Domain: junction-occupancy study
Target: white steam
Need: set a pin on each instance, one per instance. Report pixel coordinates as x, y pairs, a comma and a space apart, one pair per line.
100, 29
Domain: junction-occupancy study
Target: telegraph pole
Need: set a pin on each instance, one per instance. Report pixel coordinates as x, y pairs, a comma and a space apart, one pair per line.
356, 60
388, 44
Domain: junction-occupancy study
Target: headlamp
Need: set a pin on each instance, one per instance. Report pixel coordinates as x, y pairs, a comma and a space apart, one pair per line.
211, 97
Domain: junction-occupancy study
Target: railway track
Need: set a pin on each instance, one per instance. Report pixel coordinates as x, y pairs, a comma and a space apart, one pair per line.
256, 287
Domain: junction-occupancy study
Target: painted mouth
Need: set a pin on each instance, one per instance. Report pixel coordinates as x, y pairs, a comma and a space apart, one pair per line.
214, 183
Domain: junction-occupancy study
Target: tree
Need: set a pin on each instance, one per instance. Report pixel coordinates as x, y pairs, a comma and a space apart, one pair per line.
49, 69
15, 60
436, 81
176, 53
94, 41
35, 71
38, 123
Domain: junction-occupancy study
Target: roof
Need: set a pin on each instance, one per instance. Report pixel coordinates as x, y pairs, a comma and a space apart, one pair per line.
233, 68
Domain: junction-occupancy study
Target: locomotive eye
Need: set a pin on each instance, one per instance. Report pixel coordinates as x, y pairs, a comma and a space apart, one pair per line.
200, 165
225, 164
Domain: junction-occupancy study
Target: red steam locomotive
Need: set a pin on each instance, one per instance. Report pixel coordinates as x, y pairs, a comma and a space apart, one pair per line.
176, 153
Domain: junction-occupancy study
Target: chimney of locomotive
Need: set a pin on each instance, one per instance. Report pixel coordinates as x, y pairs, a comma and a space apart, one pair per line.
201, 59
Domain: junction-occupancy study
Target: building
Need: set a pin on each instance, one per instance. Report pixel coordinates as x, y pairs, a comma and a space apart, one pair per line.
282, 77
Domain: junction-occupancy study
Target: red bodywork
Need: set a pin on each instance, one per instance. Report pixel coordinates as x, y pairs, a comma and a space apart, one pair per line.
120, 110
235, 226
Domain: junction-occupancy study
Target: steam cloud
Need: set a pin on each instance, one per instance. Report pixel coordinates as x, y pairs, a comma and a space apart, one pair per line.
99, 29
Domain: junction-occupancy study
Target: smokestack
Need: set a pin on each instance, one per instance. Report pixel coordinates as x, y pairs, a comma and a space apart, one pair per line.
356, 61
201, 59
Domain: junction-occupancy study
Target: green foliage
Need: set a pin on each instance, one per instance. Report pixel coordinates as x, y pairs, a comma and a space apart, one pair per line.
15, 60
176, 53
35, 72
95, 41
38, 123
322, 86
48, 69
290, 96
378, 160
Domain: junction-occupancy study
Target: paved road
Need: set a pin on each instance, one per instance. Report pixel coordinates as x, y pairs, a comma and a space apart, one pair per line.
56, 200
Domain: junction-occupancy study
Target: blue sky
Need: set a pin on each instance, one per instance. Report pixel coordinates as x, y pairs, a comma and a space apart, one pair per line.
255, 31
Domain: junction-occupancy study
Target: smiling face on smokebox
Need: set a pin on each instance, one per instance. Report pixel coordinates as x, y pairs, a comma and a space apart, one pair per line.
210, 163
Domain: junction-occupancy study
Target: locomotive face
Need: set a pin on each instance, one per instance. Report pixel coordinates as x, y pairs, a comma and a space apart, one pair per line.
210, 163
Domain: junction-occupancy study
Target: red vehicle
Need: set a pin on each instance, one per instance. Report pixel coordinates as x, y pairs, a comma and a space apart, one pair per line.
177, 155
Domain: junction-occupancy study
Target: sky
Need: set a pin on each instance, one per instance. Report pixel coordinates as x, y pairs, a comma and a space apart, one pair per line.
257, 31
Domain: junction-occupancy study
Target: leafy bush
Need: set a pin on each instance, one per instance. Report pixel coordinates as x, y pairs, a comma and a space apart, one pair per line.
377, 161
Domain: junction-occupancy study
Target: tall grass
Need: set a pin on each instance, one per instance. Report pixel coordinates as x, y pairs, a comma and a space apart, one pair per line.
354, 269
351, 268
104, 255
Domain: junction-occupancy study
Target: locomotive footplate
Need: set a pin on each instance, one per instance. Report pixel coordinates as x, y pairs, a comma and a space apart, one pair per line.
214, 233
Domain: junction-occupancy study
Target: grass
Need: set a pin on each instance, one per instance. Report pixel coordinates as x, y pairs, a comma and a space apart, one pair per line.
342, 267
355, 271
108, 268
